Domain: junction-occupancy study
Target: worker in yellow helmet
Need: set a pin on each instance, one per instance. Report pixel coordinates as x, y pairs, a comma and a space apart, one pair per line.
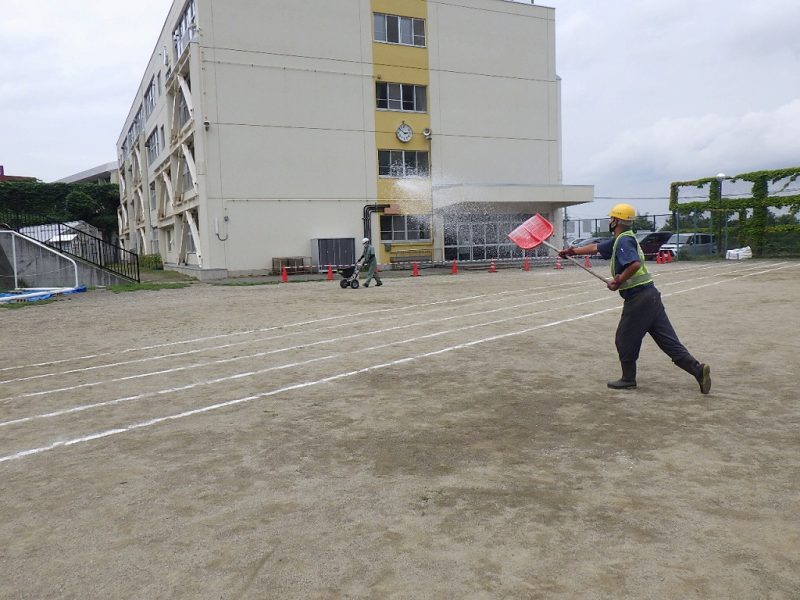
643, 311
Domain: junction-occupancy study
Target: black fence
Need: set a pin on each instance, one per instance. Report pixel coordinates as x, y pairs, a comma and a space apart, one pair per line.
74, 241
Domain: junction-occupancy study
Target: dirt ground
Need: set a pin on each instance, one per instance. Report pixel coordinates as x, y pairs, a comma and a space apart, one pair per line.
446, 436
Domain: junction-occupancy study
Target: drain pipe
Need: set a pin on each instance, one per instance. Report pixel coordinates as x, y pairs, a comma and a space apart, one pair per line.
368, 210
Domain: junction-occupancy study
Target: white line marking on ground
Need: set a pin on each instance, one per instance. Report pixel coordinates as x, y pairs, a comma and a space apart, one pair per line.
262, 330
142, 396
317, 343
252, 341
278, 350
302, 323
217, 406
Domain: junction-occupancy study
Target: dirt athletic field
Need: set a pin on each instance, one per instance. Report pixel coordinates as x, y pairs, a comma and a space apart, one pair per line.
438, 437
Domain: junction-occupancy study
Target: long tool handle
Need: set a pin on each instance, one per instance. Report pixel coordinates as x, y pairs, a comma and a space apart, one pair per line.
600, 277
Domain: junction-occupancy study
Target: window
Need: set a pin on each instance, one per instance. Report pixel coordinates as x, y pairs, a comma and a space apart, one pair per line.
185, 30
393, 29
401, 96
153, 196
402, 163
138, 122
184, 116
170, 231
405, 228
483, 237
137, 126
150, 95
153, 146
186, 175
190, 245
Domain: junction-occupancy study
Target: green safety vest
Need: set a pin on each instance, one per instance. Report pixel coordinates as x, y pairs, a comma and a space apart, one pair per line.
641, 277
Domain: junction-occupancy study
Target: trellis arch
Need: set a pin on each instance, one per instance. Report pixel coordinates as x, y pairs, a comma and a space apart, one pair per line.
754, 228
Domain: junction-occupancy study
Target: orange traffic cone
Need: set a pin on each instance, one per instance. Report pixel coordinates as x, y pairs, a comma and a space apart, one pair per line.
558, 264
284, 275
660, 258
454, 270
492, 268
668, 257
330, 273
526, 265
586, 262
414, 270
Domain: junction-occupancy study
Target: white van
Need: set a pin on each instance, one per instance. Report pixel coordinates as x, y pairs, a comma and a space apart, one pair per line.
690, 244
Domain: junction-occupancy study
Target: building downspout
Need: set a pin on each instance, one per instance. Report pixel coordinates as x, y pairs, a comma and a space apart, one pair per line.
368, 210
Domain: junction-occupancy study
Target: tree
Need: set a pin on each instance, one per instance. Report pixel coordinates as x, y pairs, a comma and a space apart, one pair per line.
644, 223
48, 202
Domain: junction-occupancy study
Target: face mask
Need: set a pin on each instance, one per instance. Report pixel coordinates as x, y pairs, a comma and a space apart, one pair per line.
612, 224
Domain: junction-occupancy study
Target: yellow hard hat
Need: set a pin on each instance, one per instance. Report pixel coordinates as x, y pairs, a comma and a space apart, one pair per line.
623, 212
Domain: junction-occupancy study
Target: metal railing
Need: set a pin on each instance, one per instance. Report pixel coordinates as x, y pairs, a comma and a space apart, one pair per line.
74, 242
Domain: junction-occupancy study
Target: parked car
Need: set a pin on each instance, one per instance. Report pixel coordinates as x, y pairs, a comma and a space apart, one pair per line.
690, 244
576, 241
651, 242
592, 240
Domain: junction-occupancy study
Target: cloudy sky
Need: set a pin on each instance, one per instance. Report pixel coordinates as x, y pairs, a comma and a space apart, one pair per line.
653, 91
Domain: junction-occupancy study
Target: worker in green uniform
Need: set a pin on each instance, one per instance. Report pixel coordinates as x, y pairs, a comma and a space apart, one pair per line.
371, 261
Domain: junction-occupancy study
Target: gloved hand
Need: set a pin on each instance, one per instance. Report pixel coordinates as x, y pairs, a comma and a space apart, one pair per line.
567, 252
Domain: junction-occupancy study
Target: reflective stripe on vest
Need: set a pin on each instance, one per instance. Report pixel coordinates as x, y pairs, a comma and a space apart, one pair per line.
641, 277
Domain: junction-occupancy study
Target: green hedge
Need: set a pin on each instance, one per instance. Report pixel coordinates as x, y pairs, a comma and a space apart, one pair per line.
151, 261
91, 202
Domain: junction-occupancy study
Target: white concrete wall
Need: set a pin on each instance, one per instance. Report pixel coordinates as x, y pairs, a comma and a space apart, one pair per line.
290, 148
494, 110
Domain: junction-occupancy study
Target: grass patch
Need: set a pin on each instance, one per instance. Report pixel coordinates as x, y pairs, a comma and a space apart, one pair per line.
16, 305
147, 286
160, 276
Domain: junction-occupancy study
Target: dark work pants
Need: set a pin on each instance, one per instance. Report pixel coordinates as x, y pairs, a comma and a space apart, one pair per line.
644, 313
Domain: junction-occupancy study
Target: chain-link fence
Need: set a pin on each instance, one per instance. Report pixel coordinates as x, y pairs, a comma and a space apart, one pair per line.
711, 232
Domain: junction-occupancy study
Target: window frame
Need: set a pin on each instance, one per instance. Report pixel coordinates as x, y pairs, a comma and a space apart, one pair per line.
419, 93
150, 98
399, 228
484, 237
397, 164
153, 146
153, 195
185, 30
399, 26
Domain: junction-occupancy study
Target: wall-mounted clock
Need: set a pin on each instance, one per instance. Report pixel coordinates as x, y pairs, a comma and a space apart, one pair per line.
404, 132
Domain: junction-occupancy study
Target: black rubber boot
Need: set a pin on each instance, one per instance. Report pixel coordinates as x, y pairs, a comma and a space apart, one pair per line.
700, 371
704, 378
628, 380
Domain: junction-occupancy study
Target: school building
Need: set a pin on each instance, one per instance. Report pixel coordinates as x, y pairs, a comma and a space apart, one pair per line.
275, 130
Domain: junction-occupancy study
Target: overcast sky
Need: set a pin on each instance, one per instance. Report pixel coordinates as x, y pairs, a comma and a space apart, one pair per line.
653, 91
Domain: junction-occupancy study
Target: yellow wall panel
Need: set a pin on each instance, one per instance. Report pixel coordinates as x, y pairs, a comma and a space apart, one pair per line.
395, 63
404, 8
400, 64
386, 123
